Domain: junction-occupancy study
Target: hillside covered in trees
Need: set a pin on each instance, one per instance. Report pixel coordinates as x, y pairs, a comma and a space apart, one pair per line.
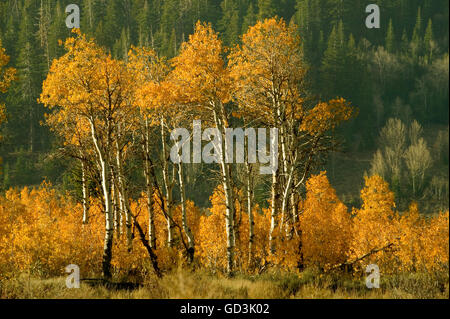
355, 119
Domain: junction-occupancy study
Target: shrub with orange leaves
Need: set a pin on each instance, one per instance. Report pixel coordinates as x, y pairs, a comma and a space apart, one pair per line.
375, 225
211, 236
423, 243
42, 232
168, 257
436, 244
325, 225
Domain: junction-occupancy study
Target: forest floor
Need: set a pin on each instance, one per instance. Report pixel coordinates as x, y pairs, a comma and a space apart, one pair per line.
183, 284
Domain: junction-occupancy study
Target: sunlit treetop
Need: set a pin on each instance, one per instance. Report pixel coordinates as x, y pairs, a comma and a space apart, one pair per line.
376, 195
268, 74
152, 90
268, 69
199, 70
146, 65
89, 82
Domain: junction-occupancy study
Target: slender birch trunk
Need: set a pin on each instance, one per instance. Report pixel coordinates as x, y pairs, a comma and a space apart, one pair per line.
109, 217
115, 204
186, 229
251, 222
109, 222
273, 210
123, 191
226, 182
167, 186
149, 185
249, 186
275, 183
84, 190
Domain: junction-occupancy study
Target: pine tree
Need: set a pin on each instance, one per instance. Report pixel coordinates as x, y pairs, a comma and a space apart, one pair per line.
266, 9
29, 79
122, 45
88, 18
390, 38
9, 37
6, 177
112, 23
143, 18
404, 42
229, 24
167, 29
57, 31
322, 43
169, 44
334, 60
249, 19
418, 26
416, 42
428, 40
43, 31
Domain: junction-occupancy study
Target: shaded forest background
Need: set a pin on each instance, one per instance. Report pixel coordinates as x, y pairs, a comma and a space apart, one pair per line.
398, 71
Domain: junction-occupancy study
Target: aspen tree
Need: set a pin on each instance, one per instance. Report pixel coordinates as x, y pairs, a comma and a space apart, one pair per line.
268, 73
200, 74
148, 71
96, 89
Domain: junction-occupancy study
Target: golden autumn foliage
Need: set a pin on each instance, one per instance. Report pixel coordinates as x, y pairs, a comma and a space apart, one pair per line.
211, 236
423, 244
88, 81
267, 67
375, 224
394, 241
199, 71
41, 231
149, 73
326, 116
325, 224
7, 75
268, 73
287, 253
106, 109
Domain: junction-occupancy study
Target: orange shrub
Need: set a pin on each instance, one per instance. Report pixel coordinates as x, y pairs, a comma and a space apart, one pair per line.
325, 225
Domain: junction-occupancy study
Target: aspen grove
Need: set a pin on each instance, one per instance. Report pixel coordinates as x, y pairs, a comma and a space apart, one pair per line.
115, 118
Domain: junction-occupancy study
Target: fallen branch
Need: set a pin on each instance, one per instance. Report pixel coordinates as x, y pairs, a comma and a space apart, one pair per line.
94, 282
351, 263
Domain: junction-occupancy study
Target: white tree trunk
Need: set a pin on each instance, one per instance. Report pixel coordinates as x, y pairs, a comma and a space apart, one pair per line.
109, 217
167, 186
226, 182
149, 186
123, 191
186, 228
84, 193
250, 215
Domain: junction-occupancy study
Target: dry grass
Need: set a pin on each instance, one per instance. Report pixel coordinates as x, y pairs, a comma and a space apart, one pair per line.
183, 284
